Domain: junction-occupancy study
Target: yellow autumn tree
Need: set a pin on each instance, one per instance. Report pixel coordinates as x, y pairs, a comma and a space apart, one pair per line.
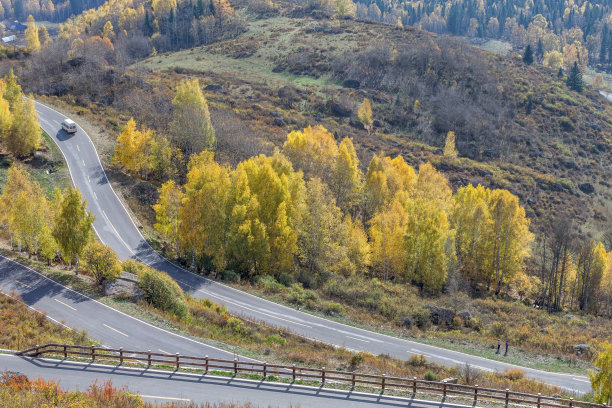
388, 246
429, 243
365, 114
43, 36
312, 150
346, 178
24, 137
472, 220
108, 31
320, 235
167, 211
509, 238
450, 150
203, 213
601, 380
133, 148
192, 126
31, 34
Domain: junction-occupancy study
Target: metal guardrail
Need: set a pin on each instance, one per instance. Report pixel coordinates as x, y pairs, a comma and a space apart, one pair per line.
322, 375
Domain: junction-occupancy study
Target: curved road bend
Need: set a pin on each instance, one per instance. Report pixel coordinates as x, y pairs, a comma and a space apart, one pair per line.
164, 386
116, 229
111, 327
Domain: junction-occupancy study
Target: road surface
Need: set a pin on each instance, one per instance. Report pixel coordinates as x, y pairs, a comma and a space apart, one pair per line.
116, 229
164, 386
111, 327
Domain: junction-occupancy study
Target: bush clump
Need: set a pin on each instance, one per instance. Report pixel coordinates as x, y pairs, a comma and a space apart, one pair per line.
162, 292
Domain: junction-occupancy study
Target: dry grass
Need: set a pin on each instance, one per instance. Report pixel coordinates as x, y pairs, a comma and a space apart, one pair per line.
22, 328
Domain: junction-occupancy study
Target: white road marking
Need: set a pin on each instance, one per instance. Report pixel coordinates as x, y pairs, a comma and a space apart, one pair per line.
83, 162
166, 398
59, 301
88, 179
24, 284
578, 379
163, 351
95, 195
355, 338
108, 327
117, 233
78, 148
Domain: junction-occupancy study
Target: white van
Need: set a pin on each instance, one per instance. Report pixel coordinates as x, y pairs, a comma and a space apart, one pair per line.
69, 126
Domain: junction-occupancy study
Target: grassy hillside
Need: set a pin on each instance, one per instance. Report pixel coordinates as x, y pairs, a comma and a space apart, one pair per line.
517, 126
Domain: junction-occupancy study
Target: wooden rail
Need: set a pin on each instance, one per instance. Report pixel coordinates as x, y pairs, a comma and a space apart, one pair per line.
294, 373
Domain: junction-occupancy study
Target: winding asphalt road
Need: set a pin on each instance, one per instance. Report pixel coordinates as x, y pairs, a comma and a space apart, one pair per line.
164, 386
116, 229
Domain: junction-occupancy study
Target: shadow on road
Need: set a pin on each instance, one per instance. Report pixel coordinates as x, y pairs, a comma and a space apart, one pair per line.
184, 380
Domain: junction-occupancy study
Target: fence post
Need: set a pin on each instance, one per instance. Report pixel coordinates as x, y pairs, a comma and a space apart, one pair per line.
206, 364
353, 380
571, 402
323, 375
293, 372
507, 396
178, 364
65, 352
414, 379
37, 350
265, 370
476, 394
120, 355
444, 389
93, 353
539, 397
383, 382
235, 366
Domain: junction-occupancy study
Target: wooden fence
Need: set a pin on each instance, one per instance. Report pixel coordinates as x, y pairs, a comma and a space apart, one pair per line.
321, 375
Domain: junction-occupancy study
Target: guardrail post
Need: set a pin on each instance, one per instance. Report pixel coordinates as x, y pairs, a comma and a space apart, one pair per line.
206, 364
265, 370
414, 380
323, 375
93, 353
507, 396
353, 380
383, 382
443, 389
148, 358
293, 372
235, 366
178, 364
120, 355
65, 352
476, 394
539, 398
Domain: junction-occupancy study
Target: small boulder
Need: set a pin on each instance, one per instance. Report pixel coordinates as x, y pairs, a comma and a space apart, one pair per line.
126, 285
451, 380
582, 348
212, 88
278, 121
441, 315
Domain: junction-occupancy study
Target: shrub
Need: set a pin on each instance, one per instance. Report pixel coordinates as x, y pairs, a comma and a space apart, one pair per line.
275, 339
230, 276
270, 284
430, 376
566, 124
285, 279
237, 327
422, 318
132, 266
514, 374
332, 308
417, 360
162, 292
